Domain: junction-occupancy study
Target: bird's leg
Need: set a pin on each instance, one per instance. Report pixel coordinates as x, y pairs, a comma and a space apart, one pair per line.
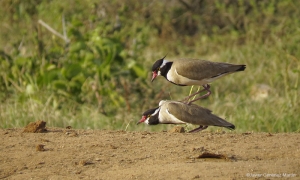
206, 88
196, 91
186, 100
200, 128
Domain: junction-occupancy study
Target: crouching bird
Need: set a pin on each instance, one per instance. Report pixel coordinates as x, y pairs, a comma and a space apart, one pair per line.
189, 72
175, 112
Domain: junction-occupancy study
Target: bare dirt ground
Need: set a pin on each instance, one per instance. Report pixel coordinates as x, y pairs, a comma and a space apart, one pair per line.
102, 154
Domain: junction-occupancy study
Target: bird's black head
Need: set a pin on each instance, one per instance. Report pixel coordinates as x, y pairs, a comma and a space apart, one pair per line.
150, 111
157, 64
160, 67
150, 116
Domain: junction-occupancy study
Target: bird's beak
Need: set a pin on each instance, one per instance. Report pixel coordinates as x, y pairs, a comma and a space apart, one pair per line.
142, 120
154, 74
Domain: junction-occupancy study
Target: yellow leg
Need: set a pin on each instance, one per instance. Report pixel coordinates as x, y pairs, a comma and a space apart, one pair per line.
191, 90
196, 91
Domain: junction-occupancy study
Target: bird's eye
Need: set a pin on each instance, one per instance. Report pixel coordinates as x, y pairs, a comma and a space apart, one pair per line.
158, 69
149, 115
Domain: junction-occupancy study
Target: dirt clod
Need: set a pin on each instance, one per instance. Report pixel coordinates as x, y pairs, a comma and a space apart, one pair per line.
113, 147
82, 162
36, 127
44, 140
40, 147
177, 129
212, 155
196, 177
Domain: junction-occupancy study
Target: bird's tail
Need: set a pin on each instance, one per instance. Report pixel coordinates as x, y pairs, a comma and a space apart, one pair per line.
223, 123
241, 68
232, 127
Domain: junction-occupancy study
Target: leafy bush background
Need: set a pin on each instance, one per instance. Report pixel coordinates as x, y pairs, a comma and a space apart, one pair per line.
98, 77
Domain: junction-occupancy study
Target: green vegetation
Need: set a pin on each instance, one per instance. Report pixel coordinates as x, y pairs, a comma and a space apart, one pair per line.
97, 73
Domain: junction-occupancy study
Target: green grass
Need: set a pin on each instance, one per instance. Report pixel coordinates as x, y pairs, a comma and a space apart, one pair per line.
101, 80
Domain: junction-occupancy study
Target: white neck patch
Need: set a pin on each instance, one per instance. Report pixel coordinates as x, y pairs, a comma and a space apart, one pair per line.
155, 112
162, 65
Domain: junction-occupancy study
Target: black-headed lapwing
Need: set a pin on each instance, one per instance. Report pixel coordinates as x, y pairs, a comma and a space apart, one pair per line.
188, 72
175, 112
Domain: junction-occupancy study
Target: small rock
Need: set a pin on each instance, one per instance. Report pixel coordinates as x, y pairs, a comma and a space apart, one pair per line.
112, 146
83, 162
40, 147
73, 134
196, 177
177, 129
36, 127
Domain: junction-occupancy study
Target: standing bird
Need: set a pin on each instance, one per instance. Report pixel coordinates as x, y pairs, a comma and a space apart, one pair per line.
189, 72
174, 112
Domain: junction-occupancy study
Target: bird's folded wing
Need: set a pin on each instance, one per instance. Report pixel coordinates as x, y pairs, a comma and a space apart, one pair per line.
190, 113
196, 115
200, 69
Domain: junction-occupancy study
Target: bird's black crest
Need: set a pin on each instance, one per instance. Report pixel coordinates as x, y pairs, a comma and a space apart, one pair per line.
150, 111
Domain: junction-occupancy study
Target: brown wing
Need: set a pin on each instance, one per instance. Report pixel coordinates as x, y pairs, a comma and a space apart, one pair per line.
196, 115
201, 69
